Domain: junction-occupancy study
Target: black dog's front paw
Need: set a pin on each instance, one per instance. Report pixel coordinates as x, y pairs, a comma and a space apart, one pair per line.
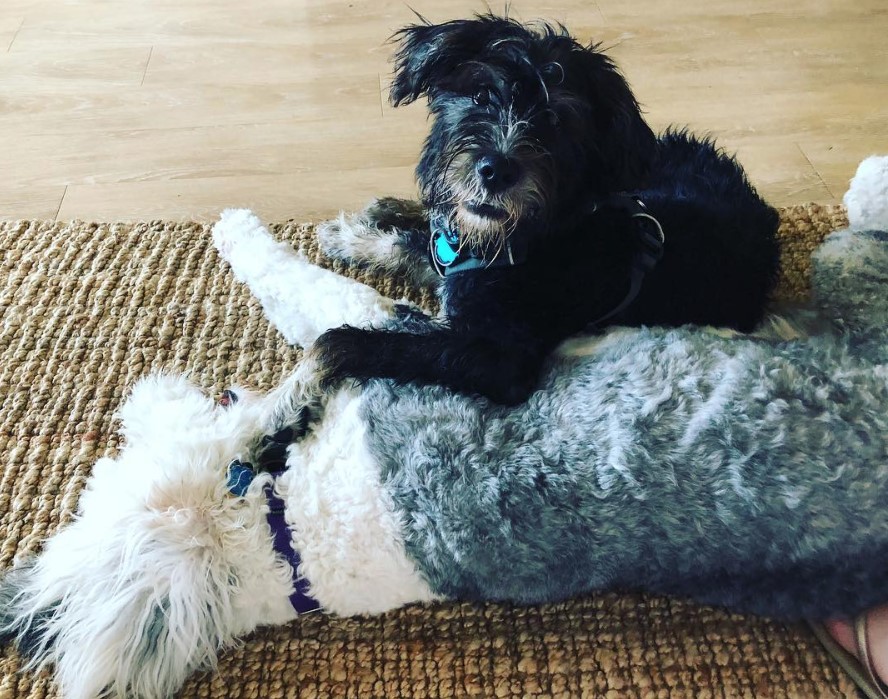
504, 377
340, 354
511, 394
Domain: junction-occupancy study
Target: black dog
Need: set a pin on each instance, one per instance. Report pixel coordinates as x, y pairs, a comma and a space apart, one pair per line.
547, 199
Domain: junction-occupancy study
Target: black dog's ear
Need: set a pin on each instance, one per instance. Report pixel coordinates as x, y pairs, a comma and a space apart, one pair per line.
418, 58
625, 142
429, 54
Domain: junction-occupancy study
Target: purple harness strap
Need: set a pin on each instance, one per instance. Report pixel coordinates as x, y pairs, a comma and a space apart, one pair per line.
240, 475
283, 545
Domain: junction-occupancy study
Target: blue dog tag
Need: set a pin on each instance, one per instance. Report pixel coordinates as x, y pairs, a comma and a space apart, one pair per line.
446, 249
240, 476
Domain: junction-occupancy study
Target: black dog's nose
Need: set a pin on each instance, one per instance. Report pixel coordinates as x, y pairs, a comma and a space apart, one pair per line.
497, 172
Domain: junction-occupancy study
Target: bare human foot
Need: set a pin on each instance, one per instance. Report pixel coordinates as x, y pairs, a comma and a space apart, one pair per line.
868, 642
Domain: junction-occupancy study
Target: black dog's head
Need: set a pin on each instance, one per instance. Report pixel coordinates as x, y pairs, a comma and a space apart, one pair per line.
527, 122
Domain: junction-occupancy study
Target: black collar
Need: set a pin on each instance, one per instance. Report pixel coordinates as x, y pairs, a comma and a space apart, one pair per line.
450, 256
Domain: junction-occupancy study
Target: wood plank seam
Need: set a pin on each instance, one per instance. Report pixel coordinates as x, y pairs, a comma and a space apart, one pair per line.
12, 41
816, 171
147, 63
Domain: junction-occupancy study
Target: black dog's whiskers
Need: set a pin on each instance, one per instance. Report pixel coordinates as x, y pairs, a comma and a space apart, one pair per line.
549, 205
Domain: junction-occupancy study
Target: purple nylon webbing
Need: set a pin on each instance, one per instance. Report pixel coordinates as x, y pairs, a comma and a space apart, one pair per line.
283, 544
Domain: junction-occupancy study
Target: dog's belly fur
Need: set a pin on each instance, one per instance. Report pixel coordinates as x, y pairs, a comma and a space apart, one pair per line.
747, 478
345, 525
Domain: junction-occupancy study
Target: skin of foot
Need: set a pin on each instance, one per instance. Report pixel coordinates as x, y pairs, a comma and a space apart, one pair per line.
842, 630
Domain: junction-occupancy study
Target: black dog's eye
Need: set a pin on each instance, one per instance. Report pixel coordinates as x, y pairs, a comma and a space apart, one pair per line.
482, 96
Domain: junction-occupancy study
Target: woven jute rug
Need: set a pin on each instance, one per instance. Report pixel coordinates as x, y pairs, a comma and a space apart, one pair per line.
88, 308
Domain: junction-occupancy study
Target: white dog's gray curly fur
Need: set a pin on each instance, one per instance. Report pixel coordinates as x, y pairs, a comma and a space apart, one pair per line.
741, 471
738, 472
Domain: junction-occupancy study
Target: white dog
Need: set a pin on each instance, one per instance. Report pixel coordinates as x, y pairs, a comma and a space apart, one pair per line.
737, 471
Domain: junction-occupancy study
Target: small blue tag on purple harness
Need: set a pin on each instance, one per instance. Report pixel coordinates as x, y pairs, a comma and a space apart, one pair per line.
239, 478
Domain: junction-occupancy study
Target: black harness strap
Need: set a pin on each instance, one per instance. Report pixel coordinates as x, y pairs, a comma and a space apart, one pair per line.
650, 239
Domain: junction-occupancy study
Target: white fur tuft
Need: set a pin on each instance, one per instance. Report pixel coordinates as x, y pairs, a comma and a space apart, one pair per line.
867, 197
163, 567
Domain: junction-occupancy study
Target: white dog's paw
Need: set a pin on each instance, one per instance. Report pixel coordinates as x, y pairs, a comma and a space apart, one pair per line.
390, 236
248, 246
158, 404
372, 236
235, 227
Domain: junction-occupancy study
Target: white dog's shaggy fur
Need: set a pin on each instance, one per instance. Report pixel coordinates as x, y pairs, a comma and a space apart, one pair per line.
163, 566
160, 567
867, 199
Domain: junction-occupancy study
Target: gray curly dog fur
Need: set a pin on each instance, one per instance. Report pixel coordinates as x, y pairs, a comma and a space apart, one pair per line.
742, 472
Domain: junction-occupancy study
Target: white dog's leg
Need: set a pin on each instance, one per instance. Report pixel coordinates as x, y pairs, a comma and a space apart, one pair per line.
300, 299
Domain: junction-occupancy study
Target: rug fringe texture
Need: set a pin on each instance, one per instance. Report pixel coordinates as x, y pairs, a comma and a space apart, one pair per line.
88, 308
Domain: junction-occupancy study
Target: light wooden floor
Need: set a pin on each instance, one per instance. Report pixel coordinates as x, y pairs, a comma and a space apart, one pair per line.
140, 109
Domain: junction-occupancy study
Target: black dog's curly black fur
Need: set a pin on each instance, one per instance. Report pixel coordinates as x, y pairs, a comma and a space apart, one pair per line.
531, 136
